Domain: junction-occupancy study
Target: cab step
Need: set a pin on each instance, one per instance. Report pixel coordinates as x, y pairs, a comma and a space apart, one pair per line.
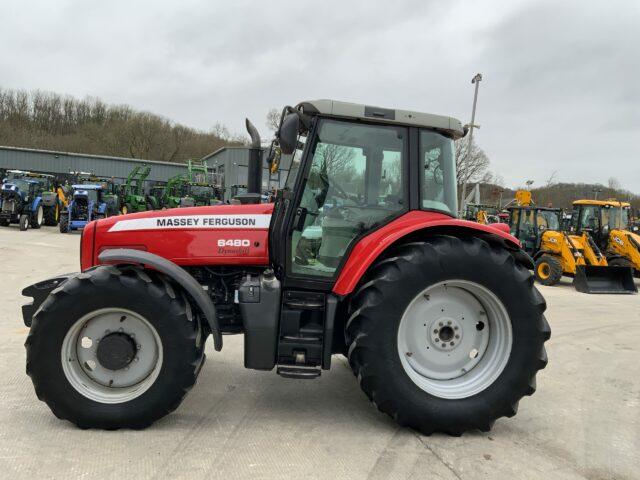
300, 373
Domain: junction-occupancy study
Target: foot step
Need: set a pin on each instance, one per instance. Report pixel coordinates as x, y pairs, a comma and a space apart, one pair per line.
298, 372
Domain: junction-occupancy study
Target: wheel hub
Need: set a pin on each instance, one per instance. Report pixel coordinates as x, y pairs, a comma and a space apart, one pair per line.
454, 339
112, 355
116, 351
446, 333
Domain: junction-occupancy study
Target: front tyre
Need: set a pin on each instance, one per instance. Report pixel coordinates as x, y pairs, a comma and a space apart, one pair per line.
23, 222
447, 335
114, 348
548, 270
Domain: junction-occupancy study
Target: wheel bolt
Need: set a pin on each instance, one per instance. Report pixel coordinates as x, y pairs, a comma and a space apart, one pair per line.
457, 336
121, 330
452, 344
441, 324
449, 322
138, 347
436, 331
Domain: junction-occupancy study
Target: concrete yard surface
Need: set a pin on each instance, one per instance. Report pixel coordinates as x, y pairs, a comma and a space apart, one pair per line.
582, 423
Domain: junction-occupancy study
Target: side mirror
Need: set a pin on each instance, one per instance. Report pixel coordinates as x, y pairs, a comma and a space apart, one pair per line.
288, 133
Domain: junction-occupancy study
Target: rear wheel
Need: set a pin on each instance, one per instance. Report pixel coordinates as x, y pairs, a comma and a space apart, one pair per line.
63, 225
37, 217
548, 270
102, 358
447, 335
620, 262
23, 222
51, 215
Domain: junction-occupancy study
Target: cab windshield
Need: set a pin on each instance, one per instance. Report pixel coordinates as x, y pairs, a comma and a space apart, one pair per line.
548, 220
616, 217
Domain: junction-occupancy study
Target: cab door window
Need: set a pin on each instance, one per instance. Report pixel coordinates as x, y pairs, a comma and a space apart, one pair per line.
590, 218
354, 185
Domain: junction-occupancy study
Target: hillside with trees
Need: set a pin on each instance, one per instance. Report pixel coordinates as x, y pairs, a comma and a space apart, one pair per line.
561, 194
51, 121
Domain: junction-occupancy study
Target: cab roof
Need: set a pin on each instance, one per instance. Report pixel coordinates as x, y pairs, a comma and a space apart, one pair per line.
448, 125
603, 203
87, 187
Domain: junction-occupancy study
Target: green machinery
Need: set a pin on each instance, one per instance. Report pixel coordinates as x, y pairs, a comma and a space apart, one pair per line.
195, 188
132, 196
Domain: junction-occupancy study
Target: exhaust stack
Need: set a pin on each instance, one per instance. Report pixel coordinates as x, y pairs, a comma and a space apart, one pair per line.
254, 174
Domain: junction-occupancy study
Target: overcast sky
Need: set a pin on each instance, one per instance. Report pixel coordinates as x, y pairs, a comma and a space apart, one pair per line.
561, 88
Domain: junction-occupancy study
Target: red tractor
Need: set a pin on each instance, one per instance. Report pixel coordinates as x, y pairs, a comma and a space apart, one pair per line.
361, 255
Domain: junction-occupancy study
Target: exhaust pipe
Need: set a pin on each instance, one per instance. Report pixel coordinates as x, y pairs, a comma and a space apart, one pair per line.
254, 173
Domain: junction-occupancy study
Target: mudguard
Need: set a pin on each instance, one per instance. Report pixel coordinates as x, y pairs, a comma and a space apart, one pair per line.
35, 204
370, 247
177, 274
39, 292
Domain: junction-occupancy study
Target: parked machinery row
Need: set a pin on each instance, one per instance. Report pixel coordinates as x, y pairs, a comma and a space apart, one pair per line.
35, 199
596, 247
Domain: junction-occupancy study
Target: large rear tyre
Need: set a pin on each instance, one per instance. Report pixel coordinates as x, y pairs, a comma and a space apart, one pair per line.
114, 348
548, 270
37, 217
51, 215
63, 225
447, 335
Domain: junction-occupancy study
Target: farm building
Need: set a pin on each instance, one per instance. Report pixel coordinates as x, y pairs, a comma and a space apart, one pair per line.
62, 163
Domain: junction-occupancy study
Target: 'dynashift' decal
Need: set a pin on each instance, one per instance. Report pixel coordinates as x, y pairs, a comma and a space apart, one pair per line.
194, 222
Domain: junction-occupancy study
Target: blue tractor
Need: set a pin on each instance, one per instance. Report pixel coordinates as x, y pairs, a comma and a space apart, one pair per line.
22, 202
86, 204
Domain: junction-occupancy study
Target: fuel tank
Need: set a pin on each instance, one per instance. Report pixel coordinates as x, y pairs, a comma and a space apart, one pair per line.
209, 235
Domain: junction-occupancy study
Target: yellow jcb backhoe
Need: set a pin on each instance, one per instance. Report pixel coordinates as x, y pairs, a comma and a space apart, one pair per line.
608, 223
557, 253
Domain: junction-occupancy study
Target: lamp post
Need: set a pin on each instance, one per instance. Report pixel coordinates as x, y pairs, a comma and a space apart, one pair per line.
475, 80
595, 193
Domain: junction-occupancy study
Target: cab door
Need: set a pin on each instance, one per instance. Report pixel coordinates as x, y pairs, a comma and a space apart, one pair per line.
353, 181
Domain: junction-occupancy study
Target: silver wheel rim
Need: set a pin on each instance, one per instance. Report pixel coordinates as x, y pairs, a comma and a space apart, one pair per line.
91, 379
40, 215
454, 339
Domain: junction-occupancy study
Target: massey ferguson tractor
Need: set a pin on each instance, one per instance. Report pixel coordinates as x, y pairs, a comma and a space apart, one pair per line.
439, 317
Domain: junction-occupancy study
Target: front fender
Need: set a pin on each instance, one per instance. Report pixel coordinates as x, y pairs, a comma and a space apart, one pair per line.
370, 247
177, 273
36, 204
39, 292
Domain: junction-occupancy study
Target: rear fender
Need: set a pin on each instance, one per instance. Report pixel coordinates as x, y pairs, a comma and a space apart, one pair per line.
413, 226
177, 274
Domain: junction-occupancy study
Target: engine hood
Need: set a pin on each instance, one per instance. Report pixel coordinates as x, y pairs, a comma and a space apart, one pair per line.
208, 235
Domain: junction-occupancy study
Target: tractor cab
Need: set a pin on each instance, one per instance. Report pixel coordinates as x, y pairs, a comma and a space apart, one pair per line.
528, 224
600, 218
354, 169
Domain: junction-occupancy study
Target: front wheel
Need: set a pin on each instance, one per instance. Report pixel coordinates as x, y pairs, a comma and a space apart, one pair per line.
447, 335
23, 222
114, 348
548, 270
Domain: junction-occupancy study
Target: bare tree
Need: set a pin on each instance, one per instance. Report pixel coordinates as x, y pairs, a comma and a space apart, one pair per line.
613, 183
273, 119
472, 165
